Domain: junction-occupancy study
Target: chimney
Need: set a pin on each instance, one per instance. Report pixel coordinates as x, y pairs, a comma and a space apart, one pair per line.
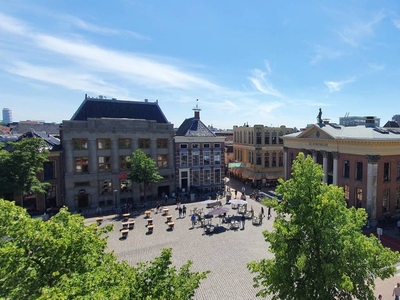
197, 111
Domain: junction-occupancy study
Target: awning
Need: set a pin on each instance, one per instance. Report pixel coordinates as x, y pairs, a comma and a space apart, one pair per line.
251, 175
273, 175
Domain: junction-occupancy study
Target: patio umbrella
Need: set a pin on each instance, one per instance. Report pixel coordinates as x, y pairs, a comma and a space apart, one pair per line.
237, 201
218, 211
209, 201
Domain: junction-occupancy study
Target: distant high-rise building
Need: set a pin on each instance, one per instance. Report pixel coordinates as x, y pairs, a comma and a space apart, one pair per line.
357, 120
7, 116
396, 118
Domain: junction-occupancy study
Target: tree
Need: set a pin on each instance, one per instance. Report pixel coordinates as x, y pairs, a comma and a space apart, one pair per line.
64, 259
20, 163
144, 170
320, 250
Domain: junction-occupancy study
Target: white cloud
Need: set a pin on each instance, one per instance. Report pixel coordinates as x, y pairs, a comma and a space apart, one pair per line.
12, 25
261, 83
322, 53
336, 86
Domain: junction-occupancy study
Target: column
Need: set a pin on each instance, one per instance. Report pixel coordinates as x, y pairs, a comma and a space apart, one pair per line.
285, 163
314, 155
93, 160
335, 156
153, 149
372, 182
114, 156
325, 165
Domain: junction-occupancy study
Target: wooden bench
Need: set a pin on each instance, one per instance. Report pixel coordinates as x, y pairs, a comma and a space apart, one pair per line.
165, 211
171, 225
125, 217
125, 225
149, 222
124, 233
131, 224
147, 213
150, 228
169, 218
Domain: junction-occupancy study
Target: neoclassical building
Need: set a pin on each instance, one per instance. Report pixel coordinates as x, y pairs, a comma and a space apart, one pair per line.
199, 156
363, 159
260, 148
98, 139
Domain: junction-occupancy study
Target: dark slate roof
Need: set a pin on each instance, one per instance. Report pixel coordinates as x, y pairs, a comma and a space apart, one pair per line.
23, 127
53, 144
112, 108
391, 124
194, 127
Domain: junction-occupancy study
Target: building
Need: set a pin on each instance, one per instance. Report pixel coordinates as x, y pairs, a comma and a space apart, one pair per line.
98, 139
396, 118
363, 159
199, 159
260, 148
7, 116
357, 120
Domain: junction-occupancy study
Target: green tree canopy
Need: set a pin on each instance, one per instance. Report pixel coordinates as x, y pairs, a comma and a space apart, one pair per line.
20, 162
143, 170
64, 259
320, 250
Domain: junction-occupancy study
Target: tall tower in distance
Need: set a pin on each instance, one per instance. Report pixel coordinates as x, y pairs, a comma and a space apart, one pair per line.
7, 116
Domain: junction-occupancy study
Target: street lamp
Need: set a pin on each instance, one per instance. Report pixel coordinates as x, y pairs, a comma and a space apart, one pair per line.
115, 198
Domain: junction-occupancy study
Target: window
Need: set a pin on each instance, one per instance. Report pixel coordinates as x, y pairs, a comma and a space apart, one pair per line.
184, 159
280, 159
144, 143
206, 158
206, 146
103, 144
207, 176
124, 143
274, 159
217, 158
359, 171
280, 140
386, 171
217, 176
80, 144
266, 160
162, 143
250, 157
104, 163
258, 159
183, 146
105, 187
125, 185
274, 138
49, 170
266, 138
386, 200
124, 163
398, 198
398, 171
81, 165
196, 177
347, 194
217, 145
258, 137
162, 161
359, 197
195, 146
346, 169
196, 158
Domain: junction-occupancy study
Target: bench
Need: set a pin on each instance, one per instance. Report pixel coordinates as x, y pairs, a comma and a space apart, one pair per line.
149, 222
124, 233
165, 211
147, 213
125, 225
150, 228
171, 225
125, 217
99, 220
131, 224
169, 218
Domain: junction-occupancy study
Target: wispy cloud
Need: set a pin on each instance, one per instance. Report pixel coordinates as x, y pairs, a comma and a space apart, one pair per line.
12, 25
336, 86
377, 67
322, 53
354, 33
262, 84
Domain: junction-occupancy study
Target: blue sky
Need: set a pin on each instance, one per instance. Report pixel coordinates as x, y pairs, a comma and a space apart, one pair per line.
256, 62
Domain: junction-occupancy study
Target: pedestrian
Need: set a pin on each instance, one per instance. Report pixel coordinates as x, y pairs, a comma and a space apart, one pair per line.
184, 210
262, 211
180, 210
379, 297
243, 219
193, 219
261, 216
396, 291
165, 198
398, 226
235, 194
269, 212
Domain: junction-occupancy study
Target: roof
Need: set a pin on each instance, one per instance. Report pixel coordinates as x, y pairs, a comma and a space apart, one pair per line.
194, 127
120, 109
340, 132
53, 144
22, 127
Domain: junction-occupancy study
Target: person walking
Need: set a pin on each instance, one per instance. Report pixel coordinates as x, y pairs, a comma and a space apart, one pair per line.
269, 212
180, 210
396, 291
193, 219
184, 210
243, 219
262, 211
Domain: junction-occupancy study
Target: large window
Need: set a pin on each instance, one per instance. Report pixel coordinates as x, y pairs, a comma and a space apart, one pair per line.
207, 176
280, 140
124, 163
217, 174
184, 158
104, 163
266, 159
162, 143
258, 138
80, 144
206, 158
103, 144
359, 171
346, 169
124, 143
125, 185
196, 177
274, 138
280, 159
162, 161
217, 158
398, 198
144, 143
266, 138
258, 159
105, 187
398, 171
386, 200
81, 165
274, 159
196, 158
49, 170
386, 171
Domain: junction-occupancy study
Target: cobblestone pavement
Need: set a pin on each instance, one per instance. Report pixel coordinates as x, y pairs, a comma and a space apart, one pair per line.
225, 252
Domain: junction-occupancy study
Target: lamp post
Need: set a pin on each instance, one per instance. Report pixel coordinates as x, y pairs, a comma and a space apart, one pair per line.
115, 198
